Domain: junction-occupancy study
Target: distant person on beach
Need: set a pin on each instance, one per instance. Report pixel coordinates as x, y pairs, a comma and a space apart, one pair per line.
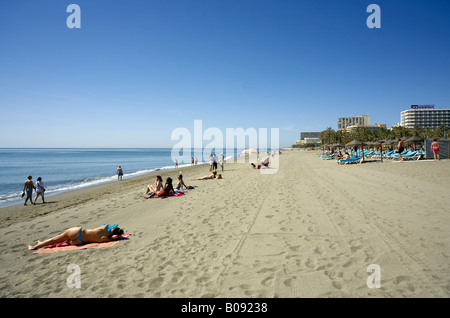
28, 189
39, 190
346, 156
153, 188
338, 156
195, 161
400, 148
211, 162
80, 236
215, 159
119, 173
221, 160
176, 163
192, 161
211, 176
435, 147
167, 189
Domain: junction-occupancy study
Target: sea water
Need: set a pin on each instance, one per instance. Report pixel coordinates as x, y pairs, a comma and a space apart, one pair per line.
70, 169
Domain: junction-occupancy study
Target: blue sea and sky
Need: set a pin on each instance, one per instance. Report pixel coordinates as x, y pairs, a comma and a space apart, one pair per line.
137, 70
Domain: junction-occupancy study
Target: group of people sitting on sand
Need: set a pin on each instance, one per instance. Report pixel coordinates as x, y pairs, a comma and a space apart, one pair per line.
162, 190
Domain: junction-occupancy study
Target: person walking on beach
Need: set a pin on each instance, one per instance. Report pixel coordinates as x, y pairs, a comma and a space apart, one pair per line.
28, 188
401, 148
215, 159
221, 160
192, 161
195, 161
211, 162
176, 163
435, 147
39, 190
119, 173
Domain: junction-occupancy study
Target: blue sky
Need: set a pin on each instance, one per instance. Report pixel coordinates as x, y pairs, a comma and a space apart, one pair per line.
137, 70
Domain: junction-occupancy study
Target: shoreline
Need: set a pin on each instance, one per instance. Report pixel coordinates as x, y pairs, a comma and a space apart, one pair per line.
15, 213
107, 180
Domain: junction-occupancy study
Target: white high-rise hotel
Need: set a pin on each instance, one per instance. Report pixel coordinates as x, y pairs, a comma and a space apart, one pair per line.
425, 116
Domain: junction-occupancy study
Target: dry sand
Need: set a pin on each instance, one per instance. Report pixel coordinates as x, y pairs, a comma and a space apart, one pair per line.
309, 230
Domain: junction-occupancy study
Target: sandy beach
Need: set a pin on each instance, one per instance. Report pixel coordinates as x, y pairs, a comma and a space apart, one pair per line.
309, 230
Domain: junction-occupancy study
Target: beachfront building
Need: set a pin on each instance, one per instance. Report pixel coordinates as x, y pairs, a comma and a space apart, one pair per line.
344, 122
311, 137
425, 116
310, 134
370, 127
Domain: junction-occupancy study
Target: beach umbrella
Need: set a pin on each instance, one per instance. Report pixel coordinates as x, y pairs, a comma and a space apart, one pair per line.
389, 141
414, 139
249, 151
354, 142
357, 142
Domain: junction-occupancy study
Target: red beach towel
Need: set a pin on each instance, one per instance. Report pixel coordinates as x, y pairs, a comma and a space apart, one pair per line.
177, 194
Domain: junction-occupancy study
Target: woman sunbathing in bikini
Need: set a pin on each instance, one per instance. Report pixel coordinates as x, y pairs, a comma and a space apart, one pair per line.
79, 236
153, 188
211, 176
180, 184
168, 188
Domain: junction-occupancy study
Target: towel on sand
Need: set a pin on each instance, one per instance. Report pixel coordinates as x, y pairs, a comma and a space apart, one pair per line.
176, 194
64, 246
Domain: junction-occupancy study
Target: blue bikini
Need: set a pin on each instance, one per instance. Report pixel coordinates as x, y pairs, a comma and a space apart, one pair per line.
110, 227
79, 237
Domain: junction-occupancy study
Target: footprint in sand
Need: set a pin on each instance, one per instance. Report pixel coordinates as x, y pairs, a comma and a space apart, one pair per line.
337, 285
311, 263
289, 282
319, 250
268, 281
156, 282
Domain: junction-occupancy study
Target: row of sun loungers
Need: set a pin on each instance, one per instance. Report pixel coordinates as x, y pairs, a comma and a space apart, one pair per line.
357, 157
406, 155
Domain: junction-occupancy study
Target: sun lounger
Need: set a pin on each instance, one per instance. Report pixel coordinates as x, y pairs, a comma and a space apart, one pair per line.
405, 155
351, 160
329, 157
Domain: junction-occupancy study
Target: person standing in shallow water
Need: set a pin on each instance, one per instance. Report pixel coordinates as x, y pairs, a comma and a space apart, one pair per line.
119, 173
28, 189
